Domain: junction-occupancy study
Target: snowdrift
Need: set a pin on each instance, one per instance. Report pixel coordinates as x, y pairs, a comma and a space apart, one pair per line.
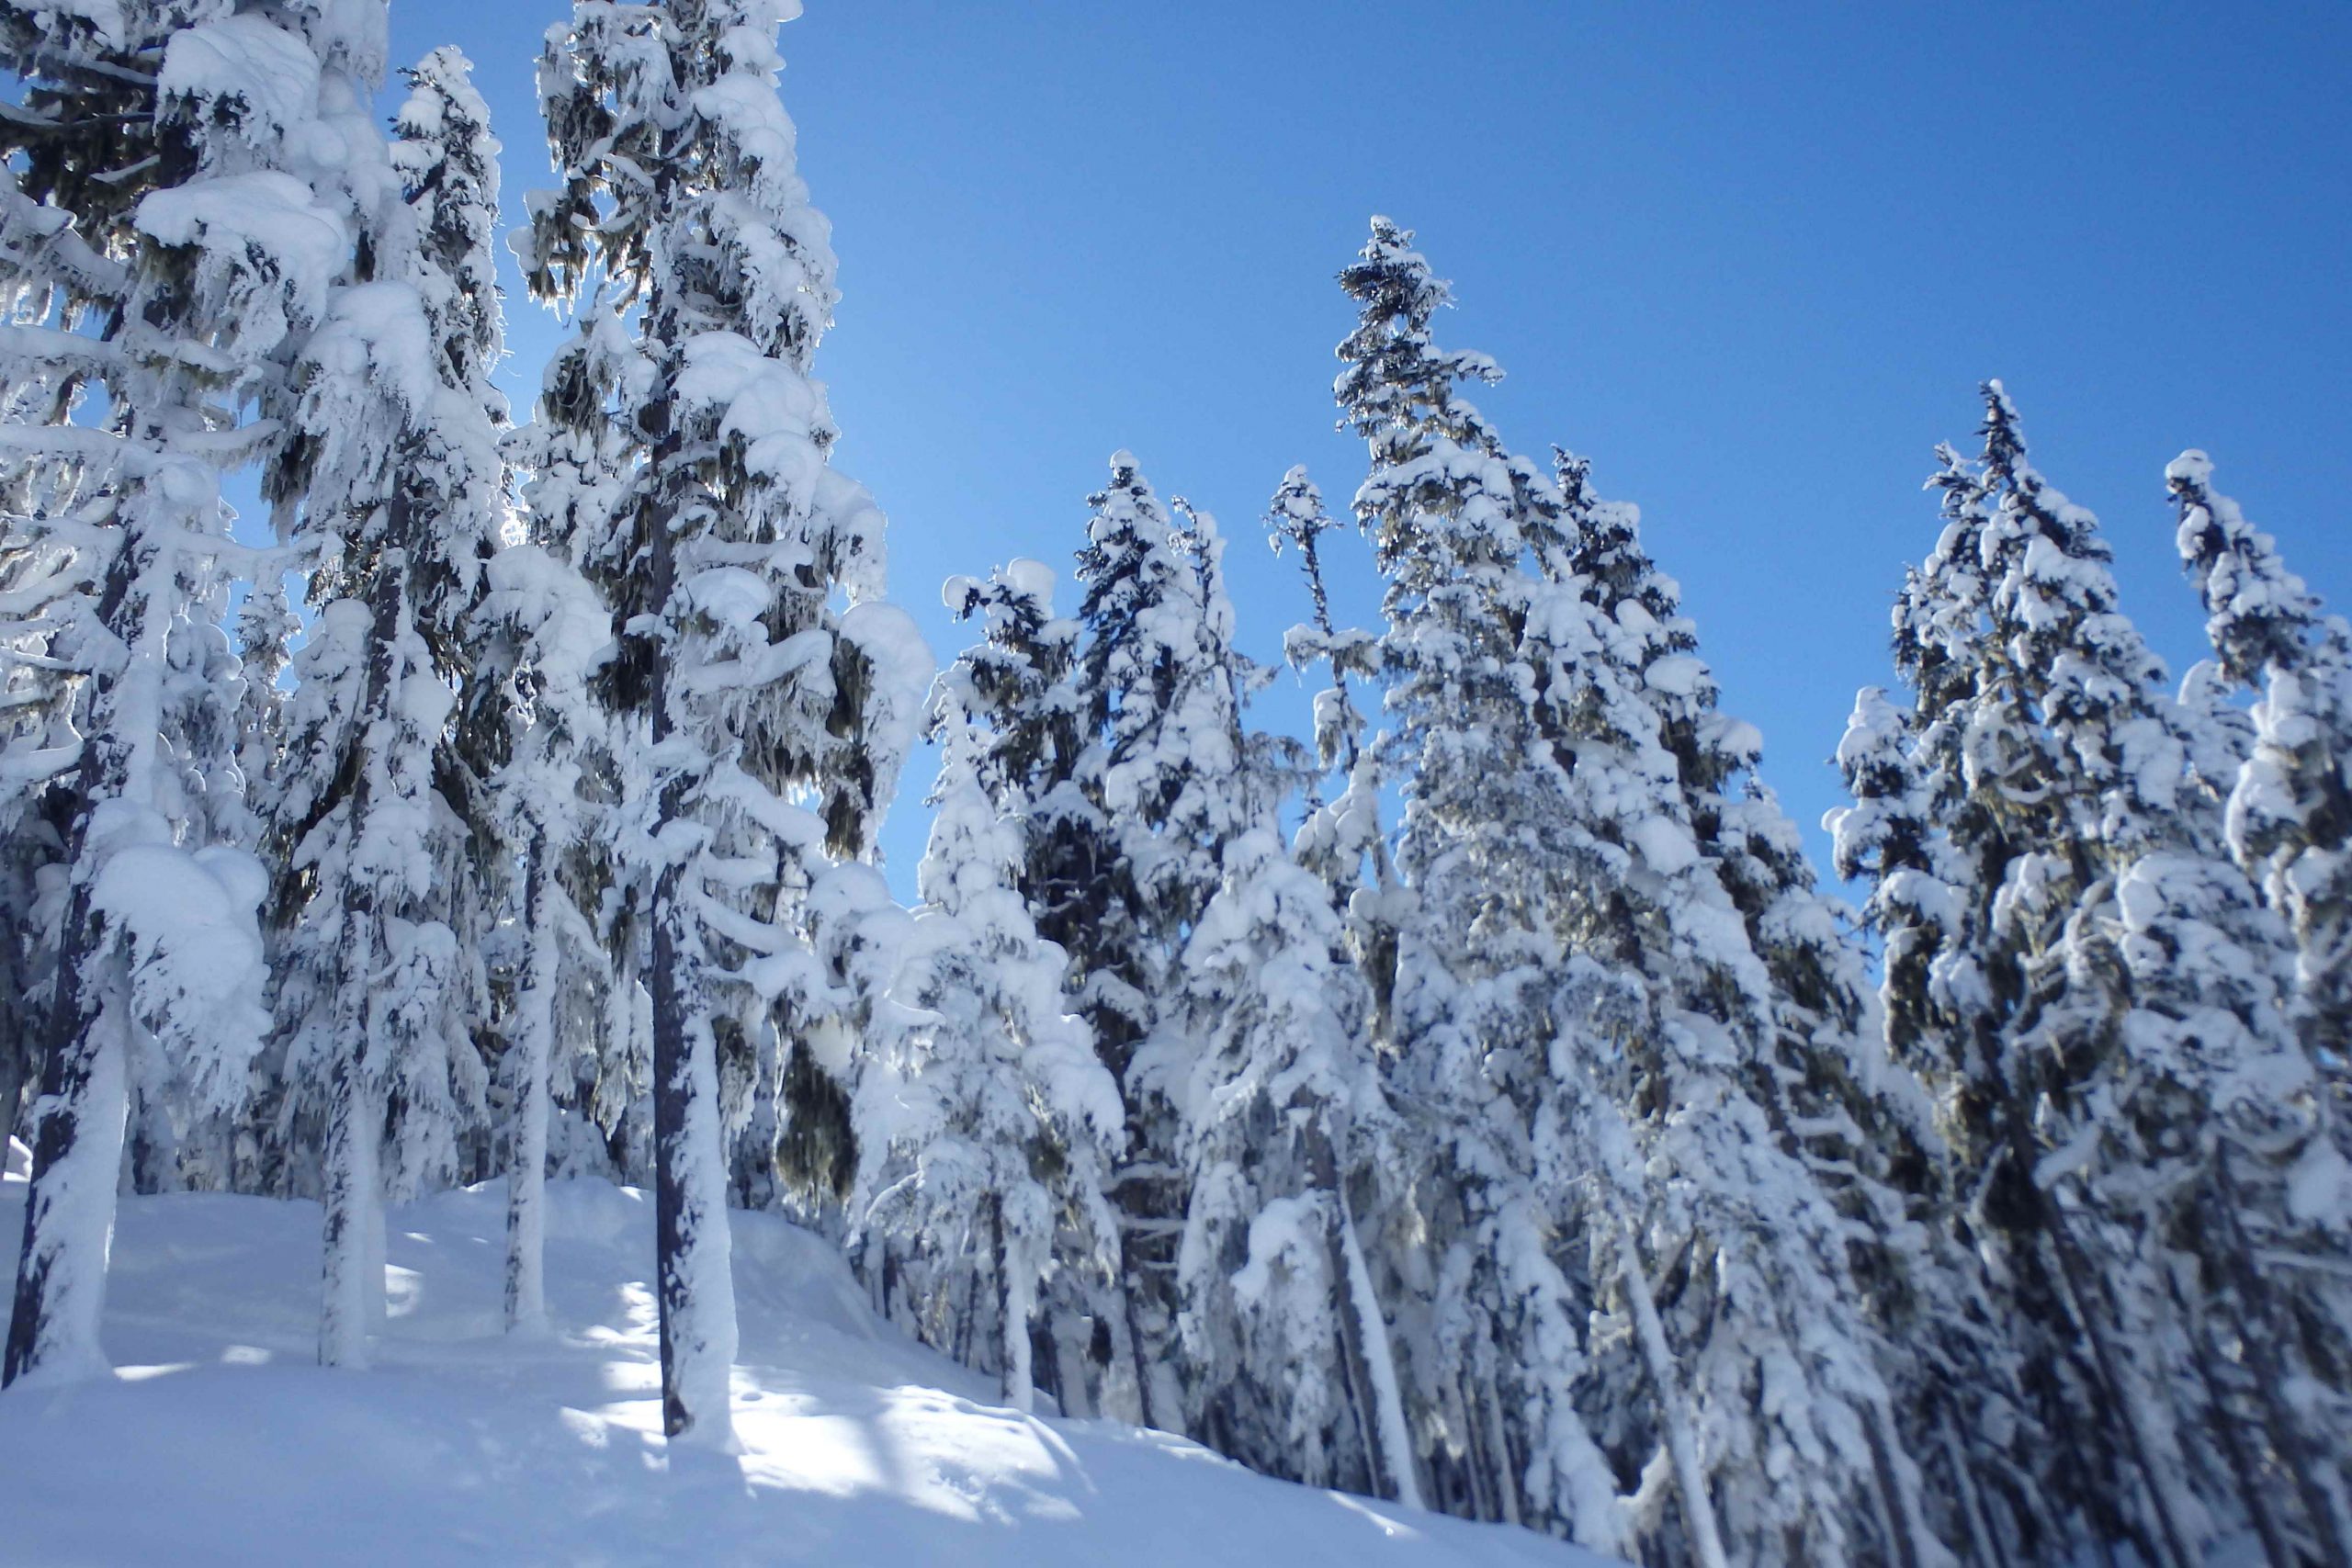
219, 1441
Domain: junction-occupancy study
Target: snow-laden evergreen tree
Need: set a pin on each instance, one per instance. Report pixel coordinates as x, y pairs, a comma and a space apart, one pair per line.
1342, 844
1160, 688
53, 353
1971, 1421
1794, 1005
987, 1125
1735, 1090
554, 633
177, 1138
767, 723
1938, 848
1490, 1318
1024, 673
1341, 839
1283, 1127
1287, 1131
577, 455
2225, 1119
447, 163
2289, 821
401, 491
179, 253
59, 288
2099, 998
2288, 825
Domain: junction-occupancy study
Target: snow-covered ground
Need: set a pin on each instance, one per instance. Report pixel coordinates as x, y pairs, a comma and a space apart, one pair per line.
218, 1441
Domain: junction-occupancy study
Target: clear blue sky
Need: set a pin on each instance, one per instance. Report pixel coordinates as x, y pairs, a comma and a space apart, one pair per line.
1753, 260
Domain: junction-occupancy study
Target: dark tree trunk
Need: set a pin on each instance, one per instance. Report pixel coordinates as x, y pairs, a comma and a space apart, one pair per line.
673, 1093
1323, 1170
83, 1081
13, 1052
684, 1203
673, 1077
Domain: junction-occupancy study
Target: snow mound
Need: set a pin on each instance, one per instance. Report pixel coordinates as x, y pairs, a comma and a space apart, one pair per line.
218, 1441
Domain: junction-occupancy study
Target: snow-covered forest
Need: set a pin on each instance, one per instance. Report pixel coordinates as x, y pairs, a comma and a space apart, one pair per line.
1479, 1104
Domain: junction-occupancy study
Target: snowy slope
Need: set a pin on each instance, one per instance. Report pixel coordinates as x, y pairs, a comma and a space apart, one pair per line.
218, 1441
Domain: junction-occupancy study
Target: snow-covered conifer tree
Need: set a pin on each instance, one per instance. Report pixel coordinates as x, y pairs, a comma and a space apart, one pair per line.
1735, 1076
1936, 848
1490, 1344
987, 1125
1286, 1132
1956, 1369
2227, 1114
721, 559
1023, 675
2287, 824
63, 273
577, 455
177, 254
1852, 1129
575, 1017
1287, 1129
2109, 998
447, 163
558, 632
2290, 804
1342, 838
1160, 687
402, 489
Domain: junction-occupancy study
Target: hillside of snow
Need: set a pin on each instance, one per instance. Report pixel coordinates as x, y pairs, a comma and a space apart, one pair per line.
218, 1441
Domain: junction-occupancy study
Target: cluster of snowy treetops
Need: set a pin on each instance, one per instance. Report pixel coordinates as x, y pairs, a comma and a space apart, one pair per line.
1551, 1154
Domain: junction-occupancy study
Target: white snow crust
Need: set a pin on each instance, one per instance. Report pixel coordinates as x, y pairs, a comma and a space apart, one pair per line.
216, 1441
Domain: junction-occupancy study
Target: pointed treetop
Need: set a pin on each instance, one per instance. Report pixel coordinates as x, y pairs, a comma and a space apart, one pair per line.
1296, 513
1395, 377
447, 161
1390, 271
1297, 517
2259, 615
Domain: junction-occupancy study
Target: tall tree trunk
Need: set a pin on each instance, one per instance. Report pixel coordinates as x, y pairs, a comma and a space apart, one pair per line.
691, 1254
77, 1163
16, 1035
1900, 1501
693, 1283
1139, 1350
84, 1100
351, 1289
1364, 1334
1071, 1391
1508, 1508
1480, 1486
1013, 1294
1367, 1474
1690, 1480
526, 1166
351, 1263
1116, 1365
1986, 1549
